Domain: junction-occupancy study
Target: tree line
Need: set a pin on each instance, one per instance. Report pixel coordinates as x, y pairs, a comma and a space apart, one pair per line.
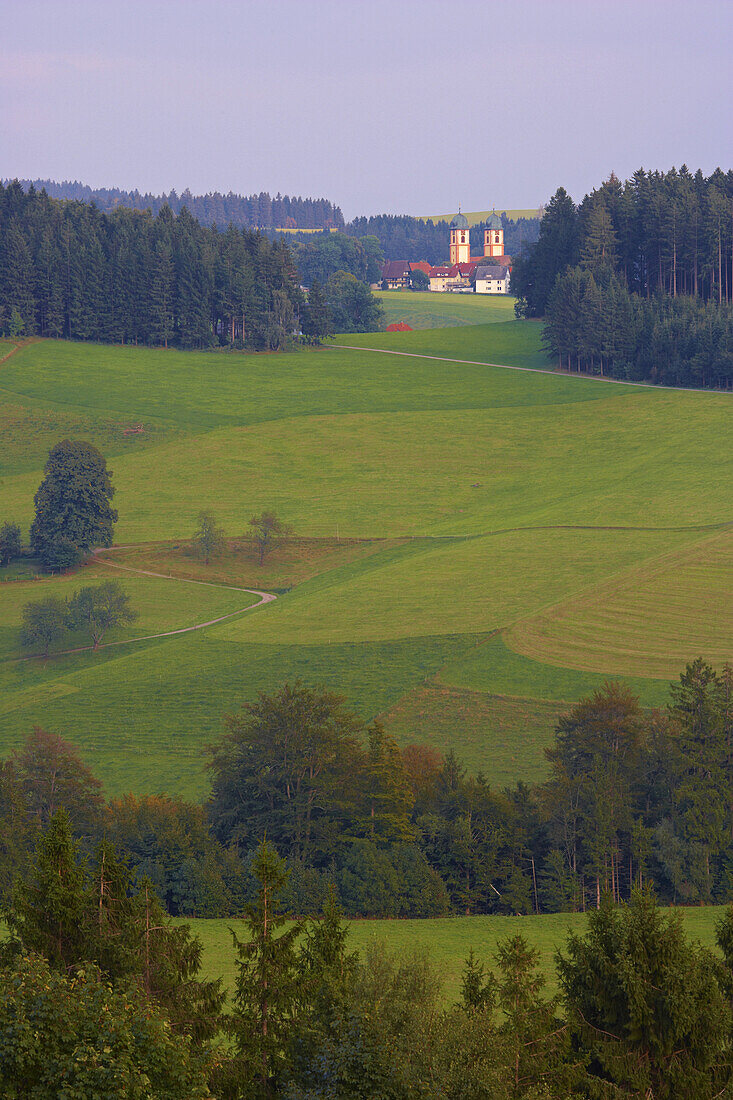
70, 270
632, 799
260, 211
594, 324
101, 994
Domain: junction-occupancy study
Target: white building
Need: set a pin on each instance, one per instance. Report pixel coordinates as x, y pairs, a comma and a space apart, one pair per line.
492, 279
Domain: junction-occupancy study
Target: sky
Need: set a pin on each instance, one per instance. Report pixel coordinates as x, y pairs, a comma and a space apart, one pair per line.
396, 106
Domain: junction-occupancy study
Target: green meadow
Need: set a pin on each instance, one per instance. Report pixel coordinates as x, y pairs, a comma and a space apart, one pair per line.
475, 547
448, 940
423, 309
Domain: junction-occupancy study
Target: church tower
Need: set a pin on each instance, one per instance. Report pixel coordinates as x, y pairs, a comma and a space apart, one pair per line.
494, 236
460, 243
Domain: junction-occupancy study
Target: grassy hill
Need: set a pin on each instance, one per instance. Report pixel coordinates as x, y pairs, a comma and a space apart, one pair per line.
477, 546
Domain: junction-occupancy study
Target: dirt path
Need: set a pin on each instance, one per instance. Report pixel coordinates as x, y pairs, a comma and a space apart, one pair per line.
529, 370
265, 597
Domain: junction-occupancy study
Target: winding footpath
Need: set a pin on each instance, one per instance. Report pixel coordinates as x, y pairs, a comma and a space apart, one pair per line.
265, 597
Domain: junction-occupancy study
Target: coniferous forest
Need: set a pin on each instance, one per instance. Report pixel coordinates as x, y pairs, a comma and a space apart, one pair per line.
260, 211
637, 281
70, 270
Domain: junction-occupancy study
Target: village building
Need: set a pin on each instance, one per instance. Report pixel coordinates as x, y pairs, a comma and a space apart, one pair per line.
396, 274
492, 279
461, 273
457, 276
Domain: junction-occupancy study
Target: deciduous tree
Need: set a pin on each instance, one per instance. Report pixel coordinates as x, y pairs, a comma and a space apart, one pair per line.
267, 530
9, 543
98, 608
53, 776
43, 623
208, 540
73, 500
70, 1034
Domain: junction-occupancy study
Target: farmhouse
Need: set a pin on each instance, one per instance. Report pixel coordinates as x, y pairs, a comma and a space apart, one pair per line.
460, 274
396, 274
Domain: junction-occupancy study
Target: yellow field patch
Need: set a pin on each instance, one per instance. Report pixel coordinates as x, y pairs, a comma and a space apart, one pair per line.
649, 622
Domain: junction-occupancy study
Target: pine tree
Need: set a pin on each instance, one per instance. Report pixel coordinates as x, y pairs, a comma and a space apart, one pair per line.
600, 245
389, 798
478, 990
316, 321
17, 282
536, 1041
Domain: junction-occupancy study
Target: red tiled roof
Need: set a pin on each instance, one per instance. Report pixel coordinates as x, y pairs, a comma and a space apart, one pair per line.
399, 326
421, 265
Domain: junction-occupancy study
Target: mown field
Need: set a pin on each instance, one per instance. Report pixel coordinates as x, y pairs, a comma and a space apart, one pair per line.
448, 940
423, 309
475, 547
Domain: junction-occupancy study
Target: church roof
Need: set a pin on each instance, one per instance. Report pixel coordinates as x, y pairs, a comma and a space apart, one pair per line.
494, 221
460, 221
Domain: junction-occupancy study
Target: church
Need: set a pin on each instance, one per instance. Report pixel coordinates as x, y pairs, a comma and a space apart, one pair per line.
464, 273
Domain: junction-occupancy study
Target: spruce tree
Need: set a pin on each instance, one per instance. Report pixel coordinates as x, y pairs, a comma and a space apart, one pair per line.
316, 320
47, 913
267, 984
644, 1004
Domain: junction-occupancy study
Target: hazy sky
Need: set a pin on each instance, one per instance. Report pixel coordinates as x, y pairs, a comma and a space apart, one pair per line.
380, 105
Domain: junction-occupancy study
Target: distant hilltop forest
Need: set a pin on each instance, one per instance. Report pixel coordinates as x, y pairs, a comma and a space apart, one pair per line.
243, 211
401, 236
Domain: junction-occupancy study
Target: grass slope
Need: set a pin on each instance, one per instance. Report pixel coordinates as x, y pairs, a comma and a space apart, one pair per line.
423, 309
448, 586
639, 458
498, 500
499, 735
143, 715
493, 667
650, 619
508, 343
